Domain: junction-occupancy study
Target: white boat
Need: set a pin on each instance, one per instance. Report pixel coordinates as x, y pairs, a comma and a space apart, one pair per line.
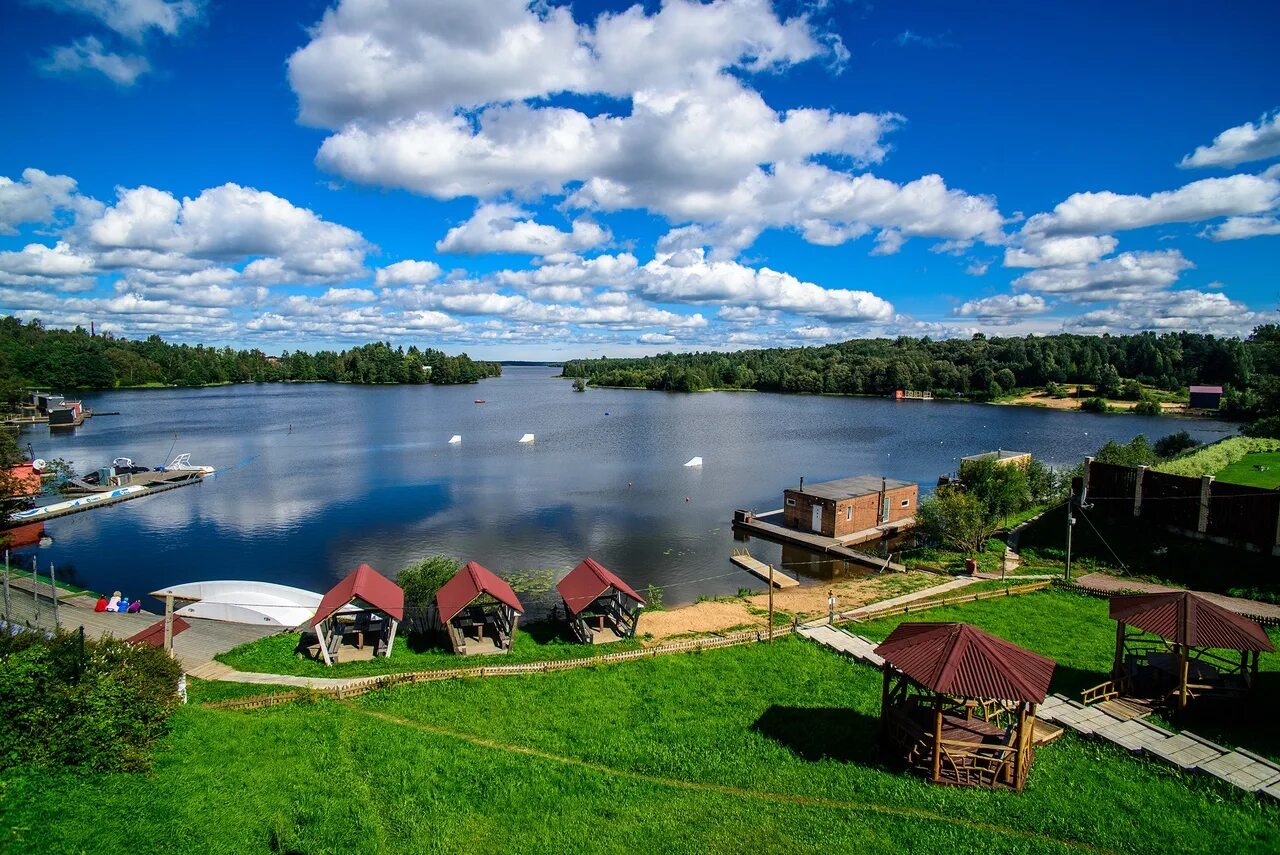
528, 437
455, 439
182, 463
235, 601
83, 501
694, 461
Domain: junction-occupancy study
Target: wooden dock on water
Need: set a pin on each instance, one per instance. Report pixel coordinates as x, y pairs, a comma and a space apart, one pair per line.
102, 503
747, 521
754, 565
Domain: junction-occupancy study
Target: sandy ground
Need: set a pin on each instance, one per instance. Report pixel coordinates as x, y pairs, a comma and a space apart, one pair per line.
1040, 399
807, 601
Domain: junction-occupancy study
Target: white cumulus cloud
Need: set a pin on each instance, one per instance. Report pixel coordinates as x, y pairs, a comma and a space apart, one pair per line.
508, 228
1240, 144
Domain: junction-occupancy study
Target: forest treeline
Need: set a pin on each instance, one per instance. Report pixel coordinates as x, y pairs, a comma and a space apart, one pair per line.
31, 355
978, 368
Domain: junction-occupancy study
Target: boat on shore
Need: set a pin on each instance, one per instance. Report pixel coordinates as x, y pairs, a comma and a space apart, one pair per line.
240, 601
123, 472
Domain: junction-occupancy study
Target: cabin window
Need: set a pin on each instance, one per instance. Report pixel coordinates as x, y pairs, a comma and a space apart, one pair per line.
906, 503
791, 503
848, 512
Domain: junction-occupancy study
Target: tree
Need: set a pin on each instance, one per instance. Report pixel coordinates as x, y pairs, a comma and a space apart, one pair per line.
1137, 453
1174, 444
1095, 405
579, 385
1000, 488
957, 519
421, 582
1044, 483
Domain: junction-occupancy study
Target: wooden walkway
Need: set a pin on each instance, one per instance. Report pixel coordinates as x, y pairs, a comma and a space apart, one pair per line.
759, 568
854, 646
816, 542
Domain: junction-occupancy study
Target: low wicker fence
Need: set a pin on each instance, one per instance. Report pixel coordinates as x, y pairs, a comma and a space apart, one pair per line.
358, 687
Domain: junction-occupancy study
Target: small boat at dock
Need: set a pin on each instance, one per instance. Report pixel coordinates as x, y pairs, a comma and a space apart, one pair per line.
124, 473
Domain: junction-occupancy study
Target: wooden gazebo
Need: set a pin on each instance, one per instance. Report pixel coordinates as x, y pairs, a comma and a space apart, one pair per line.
959, 704
1174, 646
479, 611
599, 606
357, 618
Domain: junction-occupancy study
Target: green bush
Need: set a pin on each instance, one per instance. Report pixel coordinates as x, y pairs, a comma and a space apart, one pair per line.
1147, 407
1212, 459
103, 710
1095, 405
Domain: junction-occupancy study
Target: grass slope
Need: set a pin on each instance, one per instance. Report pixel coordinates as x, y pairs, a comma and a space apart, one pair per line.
1075, 631
765, 748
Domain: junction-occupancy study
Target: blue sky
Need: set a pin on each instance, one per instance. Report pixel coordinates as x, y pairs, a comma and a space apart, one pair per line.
558, 180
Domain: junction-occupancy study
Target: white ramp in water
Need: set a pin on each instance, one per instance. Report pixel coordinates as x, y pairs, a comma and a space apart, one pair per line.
528, 437
694, 461
455, 439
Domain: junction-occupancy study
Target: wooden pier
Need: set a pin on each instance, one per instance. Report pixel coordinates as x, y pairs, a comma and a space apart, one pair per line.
100, 504
753, 565
747, 521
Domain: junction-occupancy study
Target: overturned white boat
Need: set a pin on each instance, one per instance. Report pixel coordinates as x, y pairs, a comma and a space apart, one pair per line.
694, 461
528, 437
233, 601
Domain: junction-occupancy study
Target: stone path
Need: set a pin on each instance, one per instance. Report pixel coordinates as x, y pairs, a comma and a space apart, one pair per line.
1188, 752
1107, 584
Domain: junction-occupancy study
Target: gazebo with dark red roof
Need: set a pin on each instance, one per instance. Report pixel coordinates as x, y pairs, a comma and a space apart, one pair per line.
1176, 653
479, 611
600, 607
959, 703
358, 617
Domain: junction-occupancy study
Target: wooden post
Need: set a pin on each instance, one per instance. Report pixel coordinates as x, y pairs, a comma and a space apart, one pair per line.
1253, 669
1182, 676
53, 585
324, 642
884, 694
6, 587
35, 589
390, 641
1019, 761
771, 603
1137, 492
168, 623
937, 737
1117, 668
1206, 487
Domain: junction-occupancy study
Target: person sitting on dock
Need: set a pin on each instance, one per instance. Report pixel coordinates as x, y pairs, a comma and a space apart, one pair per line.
135, 607
123, 605
101, 605
114, 604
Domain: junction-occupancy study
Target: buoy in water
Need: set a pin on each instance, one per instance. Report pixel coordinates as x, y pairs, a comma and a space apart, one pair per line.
528, 437
694, 461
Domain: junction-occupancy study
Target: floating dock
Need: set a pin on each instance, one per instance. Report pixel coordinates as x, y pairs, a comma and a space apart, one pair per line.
753, 565
88, 503
747, 521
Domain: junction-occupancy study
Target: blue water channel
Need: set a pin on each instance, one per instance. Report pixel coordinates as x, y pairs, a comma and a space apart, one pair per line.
317, 478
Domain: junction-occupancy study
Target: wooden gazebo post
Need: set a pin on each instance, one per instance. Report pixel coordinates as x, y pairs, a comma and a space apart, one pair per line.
1019, 761
1183, 665
1118, 664
322, 637
937, 736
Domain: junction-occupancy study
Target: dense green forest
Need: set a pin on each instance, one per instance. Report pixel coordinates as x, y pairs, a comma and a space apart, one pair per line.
31, 355
979, 368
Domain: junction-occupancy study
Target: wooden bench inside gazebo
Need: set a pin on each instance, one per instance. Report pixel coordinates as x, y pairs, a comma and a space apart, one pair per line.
479, 611
1174, 647
357, 619
600, 607
959, 704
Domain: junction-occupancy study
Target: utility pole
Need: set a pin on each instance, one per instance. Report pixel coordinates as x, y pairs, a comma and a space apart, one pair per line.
168, 625
1071, 521
771, 603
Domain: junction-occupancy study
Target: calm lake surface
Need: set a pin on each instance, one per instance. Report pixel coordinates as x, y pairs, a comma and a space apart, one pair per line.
316, 478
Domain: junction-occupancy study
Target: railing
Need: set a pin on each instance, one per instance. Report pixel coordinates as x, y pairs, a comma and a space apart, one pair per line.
921, 605
362, 686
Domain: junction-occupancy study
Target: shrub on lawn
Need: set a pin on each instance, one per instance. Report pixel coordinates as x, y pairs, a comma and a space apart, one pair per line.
1212, 459
1095, 405
101, 709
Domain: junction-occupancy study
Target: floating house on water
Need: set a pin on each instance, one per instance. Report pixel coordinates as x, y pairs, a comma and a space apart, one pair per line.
479, 611
959, 704
601, 608
852, 509
344, 635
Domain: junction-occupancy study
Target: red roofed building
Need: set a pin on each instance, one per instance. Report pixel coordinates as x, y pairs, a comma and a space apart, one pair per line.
479, 611
600, 607
1169, 658
357, 618
959, 703
25, 480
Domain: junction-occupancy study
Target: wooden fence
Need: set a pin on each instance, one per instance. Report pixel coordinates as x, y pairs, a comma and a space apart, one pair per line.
358, 687
921, 605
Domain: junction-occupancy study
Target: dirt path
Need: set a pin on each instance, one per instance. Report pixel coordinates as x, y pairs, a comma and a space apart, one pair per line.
805, 602
1107, 584
903, 811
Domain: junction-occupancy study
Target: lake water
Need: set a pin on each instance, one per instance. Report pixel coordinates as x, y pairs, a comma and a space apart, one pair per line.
317, 478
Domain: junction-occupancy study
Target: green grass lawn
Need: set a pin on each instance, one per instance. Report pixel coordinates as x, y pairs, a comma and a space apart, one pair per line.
1075, 631
538, 642
1244, 471
766, 748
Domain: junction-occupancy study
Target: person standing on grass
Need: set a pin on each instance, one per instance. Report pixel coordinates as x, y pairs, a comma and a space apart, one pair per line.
831, 607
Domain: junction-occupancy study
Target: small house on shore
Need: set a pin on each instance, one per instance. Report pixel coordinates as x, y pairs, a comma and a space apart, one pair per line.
357, 619
1205, 398
479, 611
850, 506
600, 607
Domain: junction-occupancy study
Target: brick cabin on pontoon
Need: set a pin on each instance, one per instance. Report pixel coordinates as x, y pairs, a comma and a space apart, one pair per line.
849, 505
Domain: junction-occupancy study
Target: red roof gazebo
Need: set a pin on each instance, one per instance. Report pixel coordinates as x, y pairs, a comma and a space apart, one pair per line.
600, 607
1171, 656
345, 634
479, 611
959, 703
